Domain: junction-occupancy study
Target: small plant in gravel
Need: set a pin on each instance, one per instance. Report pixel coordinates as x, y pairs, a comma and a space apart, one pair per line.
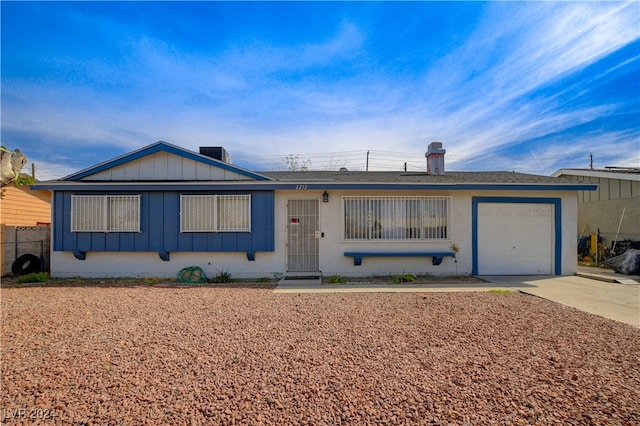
337, 279
403, 278
222, 277
39, 277
149, 281
500, 291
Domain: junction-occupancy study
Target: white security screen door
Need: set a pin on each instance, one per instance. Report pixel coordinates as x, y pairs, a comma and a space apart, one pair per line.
302, 236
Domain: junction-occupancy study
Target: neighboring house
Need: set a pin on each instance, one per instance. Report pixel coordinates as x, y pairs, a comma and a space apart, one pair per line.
162, 208
22, 211
614, 208
23, 206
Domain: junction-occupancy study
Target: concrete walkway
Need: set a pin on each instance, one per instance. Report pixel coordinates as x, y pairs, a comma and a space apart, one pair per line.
607, 275
619, 302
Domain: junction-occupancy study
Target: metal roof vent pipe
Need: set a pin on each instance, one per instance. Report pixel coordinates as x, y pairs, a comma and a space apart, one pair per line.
435, 159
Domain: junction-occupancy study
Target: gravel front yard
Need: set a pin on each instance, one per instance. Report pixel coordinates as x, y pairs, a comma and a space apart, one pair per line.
222, 355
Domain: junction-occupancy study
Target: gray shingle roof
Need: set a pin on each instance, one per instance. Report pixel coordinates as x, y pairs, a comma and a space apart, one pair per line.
413, 177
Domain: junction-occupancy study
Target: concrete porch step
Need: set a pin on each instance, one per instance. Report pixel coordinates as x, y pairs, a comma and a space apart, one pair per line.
300, 280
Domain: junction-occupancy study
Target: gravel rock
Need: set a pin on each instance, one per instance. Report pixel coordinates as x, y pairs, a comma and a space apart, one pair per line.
190, 356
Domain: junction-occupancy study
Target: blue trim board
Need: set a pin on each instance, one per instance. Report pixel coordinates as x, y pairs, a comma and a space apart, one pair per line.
272, 185
359, 255
557, 204
162, 147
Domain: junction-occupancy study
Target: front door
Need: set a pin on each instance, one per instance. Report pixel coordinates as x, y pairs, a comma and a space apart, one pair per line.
302, 236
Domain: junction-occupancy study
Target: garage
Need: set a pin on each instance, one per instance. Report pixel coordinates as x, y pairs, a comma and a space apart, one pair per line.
515, 238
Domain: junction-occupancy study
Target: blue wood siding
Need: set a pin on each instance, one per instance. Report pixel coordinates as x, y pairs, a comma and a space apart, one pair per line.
160, 226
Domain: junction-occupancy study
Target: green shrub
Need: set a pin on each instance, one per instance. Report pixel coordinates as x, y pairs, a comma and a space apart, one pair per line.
404, 278
263, 280
39, 277
337, 279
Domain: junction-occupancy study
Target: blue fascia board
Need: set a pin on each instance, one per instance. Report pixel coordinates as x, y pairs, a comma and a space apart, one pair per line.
162, 147
557, 204
272, 185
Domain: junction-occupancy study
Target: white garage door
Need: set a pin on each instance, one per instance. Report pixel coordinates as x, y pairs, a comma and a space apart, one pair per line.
515, 239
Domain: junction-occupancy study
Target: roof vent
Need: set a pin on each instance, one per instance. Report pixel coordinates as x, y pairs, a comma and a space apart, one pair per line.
344, 169
216, 152
435, 159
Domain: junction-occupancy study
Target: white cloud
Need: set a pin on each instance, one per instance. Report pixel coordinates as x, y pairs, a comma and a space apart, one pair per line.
537, 47
477, 99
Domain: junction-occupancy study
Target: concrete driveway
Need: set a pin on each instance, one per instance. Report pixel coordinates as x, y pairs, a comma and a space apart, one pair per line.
619, 302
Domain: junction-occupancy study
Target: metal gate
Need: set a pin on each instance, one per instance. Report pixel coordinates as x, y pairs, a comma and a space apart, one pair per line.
302, 236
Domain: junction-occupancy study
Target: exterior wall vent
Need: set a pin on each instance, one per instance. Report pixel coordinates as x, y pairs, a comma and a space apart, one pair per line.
216, 152
435, 159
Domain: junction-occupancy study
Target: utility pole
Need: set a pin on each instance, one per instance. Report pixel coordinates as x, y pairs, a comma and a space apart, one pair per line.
591, 161
367, 169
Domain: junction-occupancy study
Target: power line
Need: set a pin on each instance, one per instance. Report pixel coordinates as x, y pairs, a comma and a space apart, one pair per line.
365, 160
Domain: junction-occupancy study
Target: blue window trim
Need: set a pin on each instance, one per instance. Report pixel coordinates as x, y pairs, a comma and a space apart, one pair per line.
557, 204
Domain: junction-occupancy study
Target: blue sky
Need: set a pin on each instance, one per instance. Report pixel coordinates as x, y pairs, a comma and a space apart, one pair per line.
525, 86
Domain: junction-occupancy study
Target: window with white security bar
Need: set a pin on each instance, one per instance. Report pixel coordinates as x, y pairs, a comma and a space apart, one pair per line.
215, 213
105, 213
396, 218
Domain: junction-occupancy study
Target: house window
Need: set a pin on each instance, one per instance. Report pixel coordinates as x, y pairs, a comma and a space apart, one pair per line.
197, 213
105, 213
215, 213
234, 213
410, 218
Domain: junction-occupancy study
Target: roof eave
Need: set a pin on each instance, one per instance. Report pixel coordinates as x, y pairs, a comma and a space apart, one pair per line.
307, 185
597, 173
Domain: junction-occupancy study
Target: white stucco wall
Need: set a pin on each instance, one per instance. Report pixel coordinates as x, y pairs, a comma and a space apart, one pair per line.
569, 233
149, 264
332, 248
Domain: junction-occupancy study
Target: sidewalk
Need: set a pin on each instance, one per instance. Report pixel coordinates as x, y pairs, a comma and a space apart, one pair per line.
607, 275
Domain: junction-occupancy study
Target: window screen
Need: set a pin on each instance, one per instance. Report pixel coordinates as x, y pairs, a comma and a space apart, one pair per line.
105, 213
215, 213
395, 218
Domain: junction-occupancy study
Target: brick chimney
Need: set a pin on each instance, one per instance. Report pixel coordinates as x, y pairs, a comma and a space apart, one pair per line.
435, 159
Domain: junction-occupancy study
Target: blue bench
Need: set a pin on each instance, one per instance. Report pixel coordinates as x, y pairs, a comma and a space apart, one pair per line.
436, 256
